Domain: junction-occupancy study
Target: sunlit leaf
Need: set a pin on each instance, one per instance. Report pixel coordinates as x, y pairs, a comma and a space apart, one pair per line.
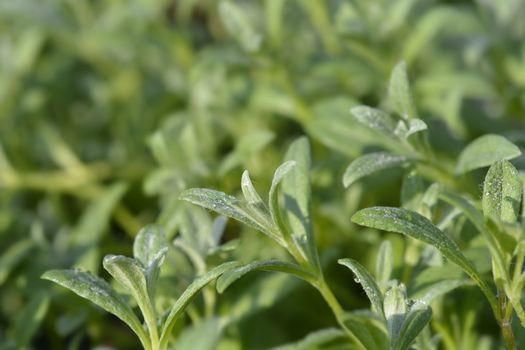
502, 192
371, 163
485, 151
100, 293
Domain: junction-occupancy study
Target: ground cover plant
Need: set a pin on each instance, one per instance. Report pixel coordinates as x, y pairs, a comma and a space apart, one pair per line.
262, 174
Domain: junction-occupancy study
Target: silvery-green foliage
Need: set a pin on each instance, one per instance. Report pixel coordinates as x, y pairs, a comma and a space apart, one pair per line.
138, 276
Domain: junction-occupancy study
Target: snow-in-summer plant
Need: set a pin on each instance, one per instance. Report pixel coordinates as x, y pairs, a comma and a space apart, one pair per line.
434, 198
138, 276
498, 217
393, 322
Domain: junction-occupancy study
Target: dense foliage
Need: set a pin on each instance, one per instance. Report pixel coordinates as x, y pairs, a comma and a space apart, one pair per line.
364, 157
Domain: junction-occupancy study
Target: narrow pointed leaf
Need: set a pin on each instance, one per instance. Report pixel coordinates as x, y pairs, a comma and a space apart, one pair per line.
416, 319
100, 293
375, 119
29, 319
502, 192
415, 125
399, 92
226, 205
149, 243
187, 296
417, 226
372, 290
249, 192
384, 263
233, 275
297, 191
278, 176
369, 331
395, 308
371, 163
475, 216
149, 248
130, 274
485, 151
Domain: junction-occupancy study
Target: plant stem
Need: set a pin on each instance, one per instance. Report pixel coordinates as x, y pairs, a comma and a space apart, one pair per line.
506, 321
336, 308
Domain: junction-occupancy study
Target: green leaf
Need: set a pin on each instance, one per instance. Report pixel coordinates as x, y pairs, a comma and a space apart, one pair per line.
130, 274
149, 248
233, 275
368, 283
384, 264
399, 92
256, 208
502, 192
475, 216
273, 199
485, 151
375, 119
430, 293
239, 25
414, 126
371, 163
314, 340
228, 206
100, 293
250, 193
395, 308
368, 330
29, 319
417, 226
92, 226
416, 319
297, 192
13, 255
187, 296
412, 191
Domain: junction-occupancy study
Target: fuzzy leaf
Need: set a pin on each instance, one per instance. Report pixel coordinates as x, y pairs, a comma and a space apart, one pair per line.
187, 296
249, 192
415, 125
233, 275
399, 92
149, 248
240, 25
130, 274
273, 199
368, 283
502, 192
384, 263
375, 119
297, 192
369, 331
485, 151
395, 308
228, 206
417, 226
416, 319
370, 163
100, 293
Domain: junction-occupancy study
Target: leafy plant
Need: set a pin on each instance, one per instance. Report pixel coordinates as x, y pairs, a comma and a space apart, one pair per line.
138, 275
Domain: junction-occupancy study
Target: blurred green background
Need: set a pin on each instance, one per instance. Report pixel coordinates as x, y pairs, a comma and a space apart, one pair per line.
109, 108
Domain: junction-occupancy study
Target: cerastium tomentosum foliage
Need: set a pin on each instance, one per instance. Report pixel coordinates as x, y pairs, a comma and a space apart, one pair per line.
138, 275
497, 218
393, 323
435, 194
